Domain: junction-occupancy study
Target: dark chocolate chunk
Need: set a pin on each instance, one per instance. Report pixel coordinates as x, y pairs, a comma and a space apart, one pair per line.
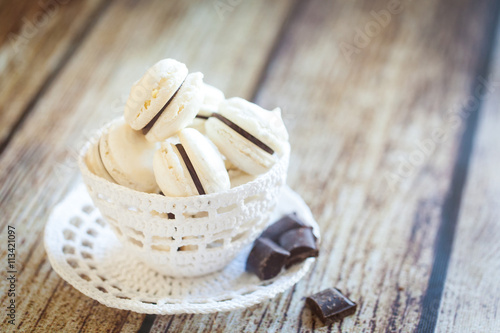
331, 305
244, 133
266, 259
146, 128
190, 167
300, 243
278, 228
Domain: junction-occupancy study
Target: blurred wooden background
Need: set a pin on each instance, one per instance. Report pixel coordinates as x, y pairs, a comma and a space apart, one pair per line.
393, 113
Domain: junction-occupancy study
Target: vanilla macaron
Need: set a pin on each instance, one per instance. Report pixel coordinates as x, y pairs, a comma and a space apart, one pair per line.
237, 177
127, 157
94, 163
252, 138
213, 97
165, 100
191, 167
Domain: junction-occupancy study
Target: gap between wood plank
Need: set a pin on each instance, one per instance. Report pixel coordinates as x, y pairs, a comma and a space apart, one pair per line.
277, 45
74, 45
147, 324
451, 207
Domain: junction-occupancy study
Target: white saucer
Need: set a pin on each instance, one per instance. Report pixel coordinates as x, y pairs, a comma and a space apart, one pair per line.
84, 251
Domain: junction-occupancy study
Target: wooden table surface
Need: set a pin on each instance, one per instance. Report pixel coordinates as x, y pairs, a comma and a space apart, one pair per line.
393, 113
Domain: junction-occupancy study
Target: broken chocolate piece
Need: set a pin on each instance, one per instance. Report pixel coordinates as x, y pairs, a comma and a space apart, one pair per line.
300, 243
331, 305
266, 259
287, 222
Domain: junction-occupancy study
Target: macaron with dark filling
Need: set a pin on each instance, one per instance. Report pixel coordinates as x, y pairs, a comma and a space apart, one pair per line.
165, 100
125, 157
252, 138
191, 167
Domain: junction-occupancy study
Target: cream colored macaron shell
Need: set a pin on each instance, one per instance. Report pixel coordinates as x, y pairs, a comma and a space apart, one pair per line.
149, 94
266, 126
128, 158
94, 163
181, 109
171, 171
213, 97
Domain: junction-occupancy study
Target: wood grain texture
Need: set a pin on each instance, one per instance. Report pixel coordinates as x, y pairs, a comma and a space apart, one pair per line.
367, 155
350, 126
36, 39
39, 165
470, 300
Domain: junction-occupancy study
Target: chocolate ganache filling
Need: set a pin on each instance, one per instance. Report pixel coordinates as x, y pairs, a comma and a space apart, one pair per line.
148, 127
191, 169
100, 158
244, 133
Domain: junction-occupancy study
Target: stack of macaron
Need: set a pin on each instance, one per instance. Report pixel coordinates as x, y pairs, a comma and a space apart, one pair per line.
181, 137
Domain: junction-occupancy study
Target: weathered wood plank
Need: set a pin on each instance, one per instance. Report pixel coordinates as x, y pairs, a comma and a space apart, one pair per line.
38, 165
36, 39
363, 117
351, 125
470, 298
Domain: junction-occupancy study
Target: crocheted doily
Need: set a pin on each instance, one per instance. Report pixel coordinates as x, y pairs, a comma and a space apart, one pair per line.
85, 252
